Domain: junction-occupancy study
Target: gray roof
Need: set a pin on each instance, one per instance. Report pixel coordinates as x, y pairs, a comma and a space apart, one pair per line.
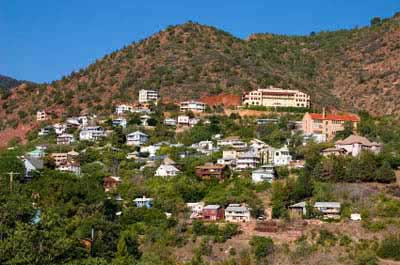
298, 205
327, 204
236, 208
212, 207
37, 163
317, 205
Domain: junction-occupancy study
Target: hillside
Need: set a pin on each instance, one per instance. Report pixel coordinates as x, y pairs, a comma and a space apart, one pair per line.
347, 70
8, 82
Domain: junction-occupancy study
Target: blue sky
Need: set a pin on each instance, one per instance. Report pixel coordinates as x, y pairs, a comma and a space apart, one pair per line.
42, 40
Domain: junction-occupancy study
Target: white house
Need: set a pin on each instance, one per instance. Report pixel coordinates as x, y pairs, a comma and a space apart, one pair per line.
228, 158
233, 141
170, 122
59, 128
123, 108
144, 119
354, 144
265, 173
167, 171
194, 106
143, 202
119, 122
92, 133
151, 149
196, 209
247, 160
281, 156
136, 138
205, 147
72, 167
65, 139
327, 209
42, 115
147, 95
237, 213
183, 120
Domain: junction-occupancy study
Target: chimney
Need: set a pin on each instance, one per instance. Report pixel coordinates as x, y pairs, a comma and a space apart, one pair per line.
323, 113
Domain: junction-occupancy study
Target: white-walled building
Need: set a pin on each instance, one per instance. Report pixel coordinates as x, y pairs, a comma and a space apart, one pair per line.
65, 139
59, 128
194, 106
228, 158
170, 122
92, 133
232, 141
354, 144
237, 213
264, 173
119, 122
42, 115
151, 150
196, 209
167, 171
281, 156
136, 138
247, 160
276, 97
147, 95
123, 108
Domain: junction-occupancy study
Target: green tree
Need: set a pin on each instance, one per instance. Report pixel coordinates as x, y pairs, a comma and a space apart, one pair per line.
261, 247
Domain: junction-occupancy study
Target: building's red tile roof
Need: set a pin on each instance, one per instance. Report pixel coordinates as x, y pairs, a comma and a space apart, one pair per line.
334, 117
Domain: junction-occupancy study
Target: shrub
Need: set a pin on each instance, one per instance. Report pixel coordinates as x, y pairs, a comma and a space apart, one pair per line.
261, 246
390, 248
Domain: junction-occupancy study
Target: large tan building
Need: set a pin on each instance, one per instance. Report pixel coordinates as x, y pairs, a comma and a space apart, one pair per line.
276, 97
327, 124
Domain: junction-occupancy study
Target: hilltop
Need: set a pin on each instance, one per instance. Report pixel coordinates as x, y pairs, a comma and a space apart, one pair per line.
8, 82
348, 70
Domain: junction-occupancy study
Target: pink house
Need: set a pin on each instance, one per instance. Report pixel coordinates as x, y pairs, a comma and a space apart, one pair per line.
354, 144
327, 124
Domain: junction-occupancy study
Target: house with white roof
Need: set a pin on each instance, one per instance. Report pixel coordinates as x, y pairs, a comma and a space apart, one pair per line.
247, 160
205, 147
281, 156
123, 108
59, 128
228, 158
92, 133
136, 138
329, 210
237, 213
119, 122
70, 166
264, 173
232, 141
65, 139
170, 122
143, 202
196, 209
167, 171
151, 150
194, 106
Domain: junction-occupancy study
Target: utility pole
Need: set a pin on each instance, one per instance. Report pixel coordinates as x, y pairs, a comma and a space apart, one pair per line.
11, 174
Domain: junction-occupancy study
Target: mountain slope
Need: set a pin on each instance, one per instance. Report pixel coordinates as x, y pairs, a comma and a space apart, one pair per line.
8, 82
347, 70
